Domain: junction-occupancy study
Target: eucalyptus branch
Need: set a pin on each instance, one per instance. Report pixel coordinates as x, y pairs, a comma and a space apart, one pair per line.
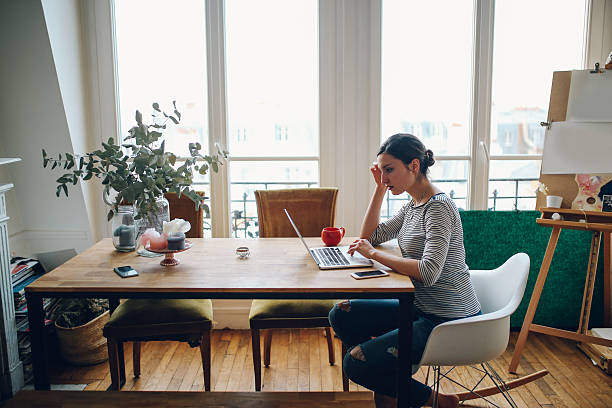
143, 175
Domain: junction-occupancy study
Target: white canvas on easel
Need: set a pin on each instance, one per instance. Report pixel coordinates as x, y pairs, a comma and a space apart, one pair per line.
577, 148
590, 97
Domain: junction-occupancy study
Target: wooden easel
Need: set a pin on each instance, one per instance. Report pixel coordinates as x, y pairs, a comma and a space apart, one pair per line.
601, 224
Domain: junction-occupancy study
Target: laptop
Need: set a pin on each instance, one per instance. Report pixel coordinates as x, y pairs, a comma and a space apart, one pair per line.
332, 257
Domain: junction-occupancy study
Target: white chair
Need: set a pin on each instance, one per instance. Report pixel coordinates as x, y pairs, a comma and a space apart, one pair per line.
476, 340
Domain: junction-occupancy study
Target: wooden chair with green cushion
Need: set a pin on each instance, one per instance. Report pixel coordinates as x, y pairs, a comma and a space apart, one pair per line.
138, 320
312, 209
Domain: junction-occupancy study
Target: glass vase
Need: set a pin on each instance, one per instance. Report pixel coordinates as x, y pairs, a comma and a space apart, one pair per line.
153, 220
123, 228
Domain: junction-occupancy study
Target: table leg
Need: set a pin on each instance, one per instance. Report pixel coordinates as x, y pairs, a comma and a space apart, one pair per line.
36, 321
113, 303
404, 376
535, 298
589, 284
607, 273
256, 357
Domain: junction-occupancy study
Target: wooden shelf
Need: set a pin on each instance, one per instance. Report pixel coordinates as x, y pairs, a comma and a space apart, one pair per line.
590, 226
577, 219
562, 211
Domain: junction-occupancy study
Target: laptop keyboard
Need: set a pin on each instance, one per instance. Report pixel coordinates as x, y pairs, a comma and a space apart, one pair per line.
330, 256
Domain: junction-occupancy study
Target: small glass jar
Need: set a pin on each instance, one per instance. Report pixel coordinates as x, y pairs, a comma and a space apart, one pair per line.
155, 220
123, 229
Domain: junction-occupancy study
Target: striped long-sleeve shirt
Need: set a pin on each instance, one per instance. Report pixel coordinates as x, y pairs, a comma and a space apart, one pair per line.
432, 234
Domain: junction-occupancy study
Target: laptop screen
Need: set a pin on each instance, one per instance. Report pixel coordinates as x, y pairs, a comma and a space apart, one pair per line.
297, 231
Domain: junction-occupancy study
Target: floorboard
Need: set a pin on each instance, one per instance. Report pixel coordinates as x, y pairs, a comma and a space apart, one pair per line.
299, 362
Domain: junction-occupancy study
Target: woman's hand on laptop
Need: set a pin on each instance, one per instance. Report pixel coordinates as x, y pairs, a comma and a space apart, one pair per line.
362, 246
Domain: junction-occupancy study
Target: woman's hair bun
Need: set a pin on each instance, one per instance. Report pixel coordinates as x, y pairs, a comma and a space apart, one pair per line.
429, 158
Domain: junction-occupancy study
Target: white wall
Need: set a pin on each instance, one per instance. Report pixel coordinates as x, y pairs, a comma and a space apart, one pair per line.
15, 222
64, 26
33, 117
349, 99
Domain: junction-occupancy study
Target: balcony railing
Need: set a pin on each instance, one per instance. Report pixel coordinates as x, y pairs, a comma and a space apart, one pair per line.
244, 210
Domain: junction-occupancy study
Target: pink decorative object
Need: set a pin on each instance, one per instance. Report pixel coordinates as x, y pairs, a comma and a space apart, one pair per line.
169, 259
154, 239
157, 243
587, 198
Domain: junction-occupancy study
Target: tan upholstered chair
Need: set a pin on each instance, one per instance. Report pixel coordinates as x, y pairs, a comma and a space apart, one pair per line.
185, 208
312, 209
140, 320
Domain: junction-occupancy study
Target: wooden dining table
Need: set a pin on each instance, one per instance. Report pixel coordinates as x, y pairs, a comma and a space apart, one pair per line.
277, 268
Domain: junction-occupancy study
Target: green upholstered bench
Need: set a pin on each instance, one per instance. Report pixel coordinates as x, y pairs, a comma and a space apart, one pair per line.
491, 237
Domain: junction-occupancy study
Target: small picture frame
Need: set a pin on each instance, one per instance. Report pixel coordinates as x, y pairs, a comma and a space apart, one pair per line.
606, 203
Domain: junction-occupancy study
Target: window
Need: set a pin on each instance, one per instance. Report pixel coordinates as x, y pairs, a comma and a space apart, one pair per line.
440, 62
272, 101
427, 85
527, 49
164, 61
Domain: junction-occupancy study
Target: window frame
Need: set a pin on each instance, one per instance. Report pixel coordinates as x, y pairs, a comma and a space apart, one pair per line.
349, 97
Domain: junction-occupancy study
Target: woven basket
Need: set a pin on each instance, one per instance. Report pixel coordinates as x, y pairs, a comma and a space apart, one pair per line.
84, 345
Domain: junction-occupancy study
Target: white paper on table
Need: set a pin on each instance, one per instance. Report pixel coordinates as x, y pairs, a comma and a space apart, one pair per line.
577, 147
590, 97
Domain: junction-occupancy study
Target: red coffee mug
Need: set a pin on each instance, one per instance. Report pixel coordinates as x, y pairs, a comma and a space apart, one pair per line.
332, 236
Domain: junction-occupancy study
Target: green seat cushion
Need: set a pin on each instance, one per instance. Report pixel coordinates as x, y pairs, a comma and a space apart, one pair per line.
278, 309
134, 312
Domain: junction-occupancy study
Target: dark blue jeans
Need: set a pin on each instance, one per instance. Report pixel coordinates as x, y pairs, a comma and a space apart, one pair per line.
379, 319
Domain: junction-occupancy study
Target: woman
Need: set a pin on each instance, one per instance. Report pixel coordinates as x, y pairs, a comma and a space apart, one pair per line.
429, 233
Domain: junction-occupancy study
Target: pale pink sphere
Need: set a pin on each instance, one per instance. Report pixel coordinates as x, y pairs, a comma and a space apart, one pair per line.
154, 239
159, 242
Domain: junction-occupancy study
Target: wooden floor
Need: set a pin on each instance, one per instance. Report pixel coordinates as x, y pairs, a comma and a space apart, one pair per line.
299, 363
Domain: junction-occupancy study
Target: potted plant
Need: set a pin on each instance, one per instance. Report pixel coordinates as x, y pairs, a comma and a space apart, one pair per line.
140, 171
143, 171
552, 201
78, 324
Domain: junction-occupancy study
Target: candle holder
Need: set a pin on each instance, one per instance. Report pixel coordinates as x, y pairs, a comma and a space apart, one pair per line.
243, 252
169, 259
124, 230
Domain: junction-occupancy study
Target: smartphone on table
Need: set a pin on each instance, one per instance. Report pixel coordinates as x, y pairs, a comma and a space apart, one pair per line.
125, 271
369, 274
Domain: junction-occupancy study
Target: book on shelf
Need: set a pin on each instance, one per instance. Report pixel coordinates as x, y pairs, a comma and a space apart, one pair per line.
23, 325
19, 288
22, 269
49, 306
